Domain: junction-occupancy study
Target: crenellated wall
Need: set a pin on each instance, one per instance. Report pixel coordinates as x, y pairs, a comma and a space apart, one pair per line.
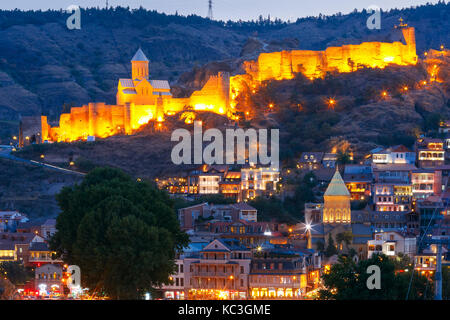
137, 104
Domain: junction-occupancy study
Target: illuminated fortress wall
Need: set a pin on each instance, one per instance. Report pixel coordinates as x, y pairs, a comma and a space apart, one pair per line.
285, 64
140, 99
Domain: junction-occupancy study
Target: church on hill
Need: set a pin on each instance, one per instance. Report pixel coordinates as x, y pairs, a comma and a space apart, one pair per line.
139, 100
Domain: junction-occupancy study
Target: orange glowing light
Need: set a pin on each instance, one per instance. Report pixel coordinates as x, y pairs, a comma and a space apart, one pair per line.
137, 105
331, 102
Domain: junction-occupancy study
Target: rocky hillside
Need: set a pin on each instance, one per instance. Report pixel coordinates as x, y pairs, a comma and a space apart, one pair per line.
43, 65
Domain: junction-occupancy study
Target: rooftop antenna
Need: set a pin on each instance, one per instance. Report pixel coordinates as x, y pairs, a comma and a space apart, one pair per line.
210, 10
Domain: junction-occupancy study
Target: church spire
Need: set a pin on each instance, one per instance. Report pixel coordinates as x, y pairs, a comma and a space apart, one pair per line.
337, 186
139, 66
139, 56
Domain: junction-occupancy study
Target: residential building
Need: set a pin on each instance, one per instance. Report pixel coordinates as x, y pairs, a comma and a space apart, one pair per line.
219, 271
358, 179
394, 155
48, 229
40, 254
430, 152
247, 233
199, 214
48, 279
311, 160
282, 272
392, 243
329, 160
230, 186
257, 181
9, 220
425, 182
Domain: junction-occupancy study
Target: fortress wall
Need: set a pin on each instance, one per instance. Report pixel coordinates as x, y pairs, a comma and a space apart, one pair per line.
141, 114
176, 104
269, 66
219, 92
308, 62
213, 96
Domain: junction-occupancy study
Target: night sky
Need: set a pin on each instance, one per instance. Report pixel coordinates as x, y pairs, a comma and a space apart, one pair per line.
228, 9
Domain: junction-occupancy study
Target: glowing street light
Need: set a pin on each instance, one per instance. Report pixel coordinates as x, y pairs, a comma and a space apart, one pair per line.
331, 103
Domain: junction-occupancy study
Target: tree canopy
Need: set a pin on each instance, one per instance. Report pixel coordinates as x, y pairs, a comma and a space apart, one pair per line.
123, 234
347, 280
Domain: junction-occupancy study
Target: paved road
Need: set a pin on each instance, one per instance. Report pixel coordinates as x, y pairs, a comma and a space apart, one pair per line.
5, 153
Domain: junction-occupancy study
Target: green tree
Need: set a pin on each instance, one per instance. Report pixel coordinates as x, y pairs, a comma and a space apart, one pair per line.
15, 272
345, 237
347, 280
343, 157
123, 234
331, 247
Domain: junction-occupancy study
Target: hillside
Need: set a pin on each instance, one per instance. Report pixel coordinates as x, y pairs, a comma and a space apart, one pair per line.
43, 65
30, 189
45, 68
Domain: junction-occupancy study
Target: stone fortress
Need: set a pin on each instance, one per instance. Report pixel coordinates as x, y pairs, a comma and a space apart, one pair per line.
140, 99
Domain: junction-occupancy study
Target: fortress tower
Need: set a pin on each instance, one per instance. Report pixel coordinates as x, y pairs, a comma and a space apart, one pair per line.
336, 207
139, 66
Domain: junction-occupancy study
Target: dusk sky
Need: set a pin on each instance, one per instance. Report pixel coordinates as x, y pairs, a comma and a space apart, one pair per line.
227, 9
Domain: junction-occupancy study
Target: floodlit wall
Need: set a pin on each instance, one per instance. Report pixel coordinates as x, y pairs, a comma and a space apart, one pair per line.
138, 105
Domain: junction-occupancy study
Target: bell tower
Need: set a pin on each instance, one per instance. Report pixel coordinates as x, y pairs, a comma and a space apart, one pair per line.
336, 207
139, 66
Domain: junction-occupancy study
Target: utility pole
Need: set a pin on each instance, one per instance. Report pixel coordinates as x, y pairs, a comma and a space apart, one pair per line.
438, 276
210, 10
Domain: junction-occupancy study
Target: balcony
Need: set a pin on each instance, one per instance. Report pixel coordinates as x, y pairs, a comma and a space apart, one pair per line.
213, 274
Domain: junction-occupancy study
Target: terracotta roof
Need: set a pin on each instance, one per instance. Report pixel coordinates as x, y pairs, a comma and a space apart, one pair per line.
399, 148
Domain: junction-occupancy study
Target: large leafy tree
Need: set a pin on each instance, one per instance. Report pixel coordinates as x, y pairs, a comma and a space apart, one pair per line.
15, 272
347, 280
123, 234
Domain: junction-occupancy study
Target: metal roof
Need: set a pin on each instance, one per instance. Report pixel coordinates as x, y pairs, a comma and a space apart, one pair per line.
337, 186
160, 84
139, 56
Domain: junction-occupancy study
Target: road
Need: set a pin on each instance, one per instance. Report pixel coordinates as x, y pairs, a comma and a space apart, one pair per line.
5, 153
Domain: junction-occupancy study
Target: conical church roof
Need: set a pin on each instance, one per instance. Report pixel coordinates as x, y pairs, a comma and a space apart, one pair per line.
337, 186
139, 56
